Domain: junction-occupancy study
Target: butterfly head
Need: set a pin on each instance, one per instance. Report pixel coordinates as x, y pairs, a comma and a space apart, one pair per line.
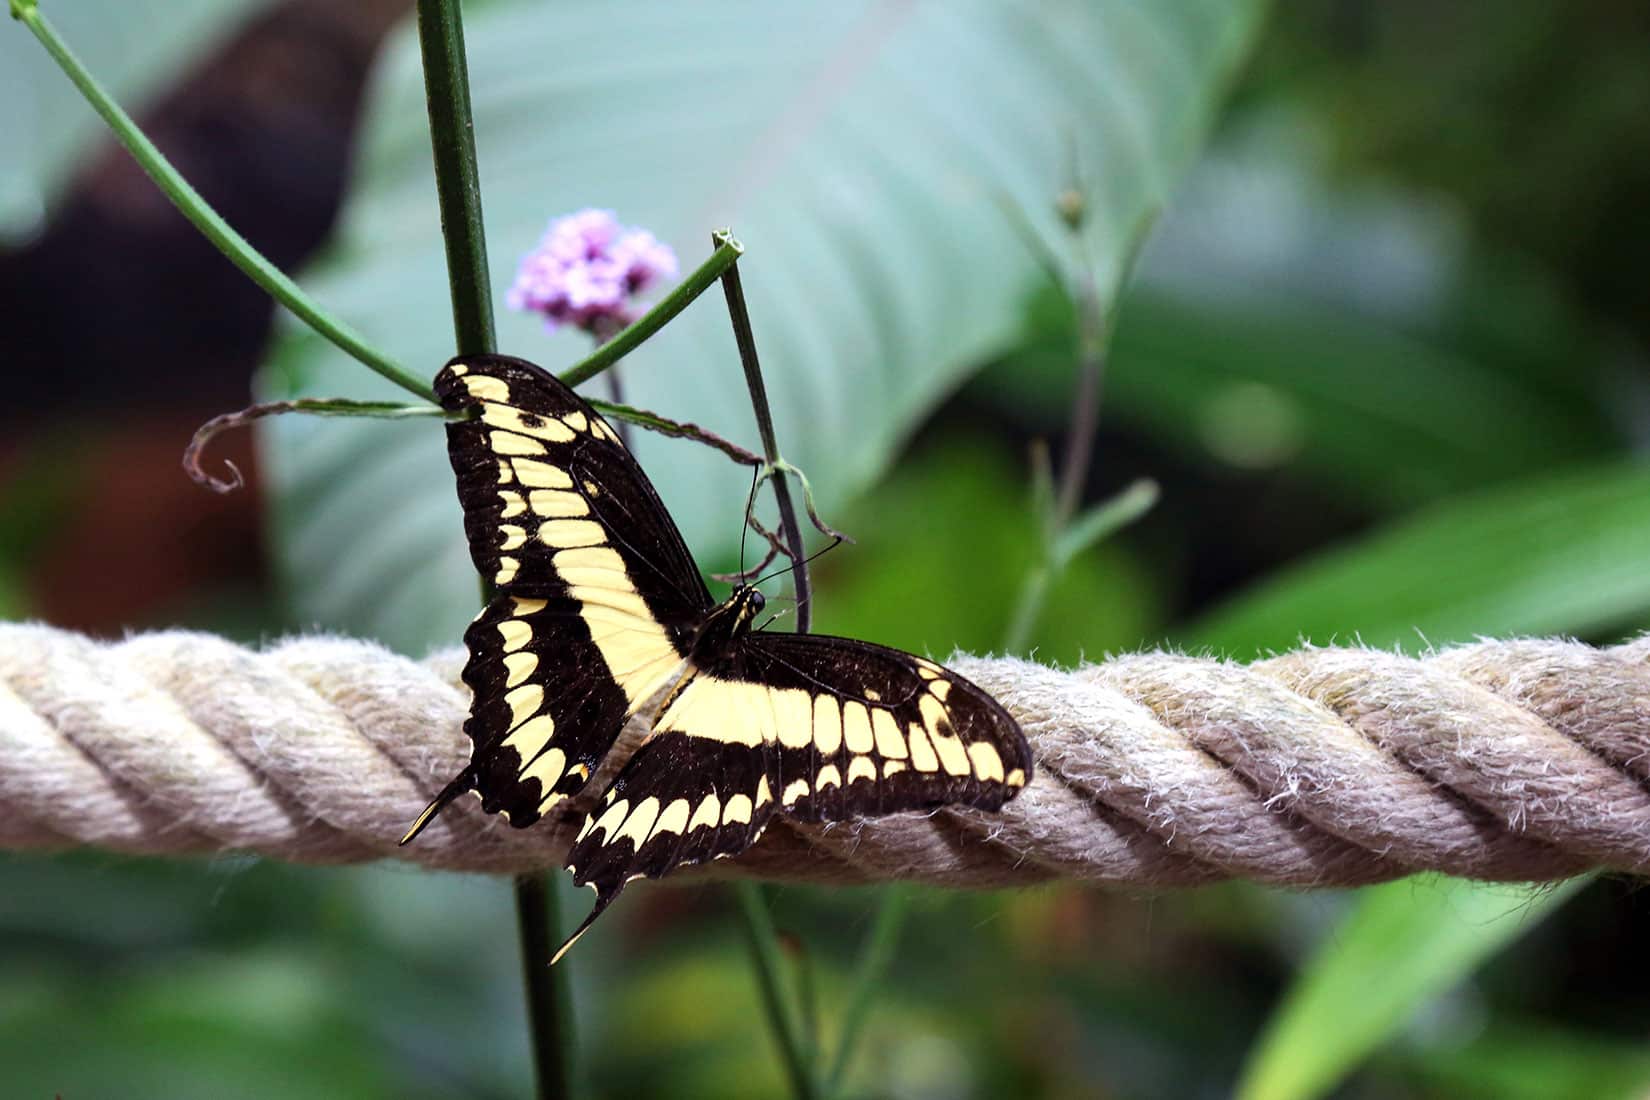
729, 622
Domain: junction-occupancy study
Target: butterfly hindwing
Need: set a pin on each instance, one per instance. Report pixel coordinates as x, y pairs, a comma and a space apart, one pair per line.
807, 726
597, 594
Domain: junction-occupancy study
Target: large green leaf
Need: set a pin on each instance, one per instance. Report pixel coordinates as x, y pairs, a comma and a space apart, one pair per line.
1403, 944
1561, 554
863, 153
134, 47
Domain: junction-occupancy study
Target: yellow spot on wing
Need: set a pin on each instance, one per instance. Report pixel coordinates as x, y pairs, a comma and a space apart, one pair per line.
940, 688
541, 475
673, 819
524, 702
568, 533
860, 767
529, 738
509, 443
856, 726
639, 823
795, 790
552, 503
511, 536
513, 504
764, 794
547, 769
738, 809
708, 813
516, 634
828, 777
953, 757
793, 717
576, 420
486, 388
611, 817
517, 667
827, 724
511, 419
988, 764
889, 741
922, 752
892, 767
506, 570
1016, 778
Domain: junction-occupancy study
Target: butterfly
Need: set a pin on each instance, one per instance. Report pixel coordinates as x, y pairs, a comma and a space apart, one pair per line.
600, 606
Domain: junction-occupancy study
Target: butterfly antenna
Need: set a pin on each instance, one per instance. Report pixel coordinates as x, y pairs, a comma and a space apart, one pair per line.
836, 540
750, 505
464, 782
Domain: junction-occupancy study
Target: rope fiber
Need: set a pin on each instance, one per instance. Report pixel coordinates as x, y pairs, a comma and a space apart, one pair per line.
1504, 760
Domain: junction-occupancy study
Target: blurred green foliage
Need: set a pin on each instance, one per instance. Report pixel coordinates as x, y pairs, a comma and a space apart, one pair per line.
1385, 354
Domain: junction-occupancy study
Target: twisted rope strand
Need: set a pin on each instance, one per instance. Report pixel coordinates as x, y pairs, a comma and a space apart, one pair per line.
1518, 760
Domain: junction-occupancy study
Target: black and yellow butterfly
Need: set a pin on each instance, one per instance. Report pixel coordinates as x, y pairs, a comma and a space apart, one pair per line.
600, 606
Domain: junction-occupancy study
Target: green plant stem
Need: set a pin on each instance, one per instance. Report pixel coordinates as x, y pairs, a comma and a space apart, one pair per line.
190, 203
868, 975
452, 137
680, 297
549, 1002
1096, 318
457, 182
746, 340
766, 957
800, 1056
653, 422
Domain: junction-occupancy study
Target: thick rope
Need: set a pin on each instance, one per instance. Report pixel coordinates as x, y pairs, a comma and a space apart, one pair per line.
1522, 760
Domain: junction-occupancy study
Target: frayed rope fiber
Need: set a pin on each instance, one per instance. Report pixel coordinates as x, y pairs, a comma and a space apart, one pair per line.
1518, 760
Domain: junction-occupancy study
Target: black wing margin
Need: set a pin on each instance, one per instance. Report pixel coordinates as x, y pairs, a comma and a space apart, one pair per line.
597, 594
807, 726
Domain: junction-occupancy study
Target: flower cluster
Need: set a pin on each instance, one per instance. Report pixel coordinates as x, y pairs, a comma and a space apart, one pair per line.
588, 271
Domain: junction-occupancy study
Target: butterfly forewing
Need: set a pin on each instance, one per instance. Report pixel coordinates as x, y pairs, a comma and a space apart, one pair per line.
597, 595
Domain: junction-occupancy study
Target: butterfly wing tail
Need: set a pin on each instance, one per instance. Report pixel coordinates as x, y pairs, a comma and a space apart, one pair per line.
603, 900
465, 781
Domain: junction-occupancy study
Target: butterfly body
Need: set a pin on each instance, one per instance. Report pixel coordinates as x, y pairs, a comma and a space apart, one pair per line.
600, 606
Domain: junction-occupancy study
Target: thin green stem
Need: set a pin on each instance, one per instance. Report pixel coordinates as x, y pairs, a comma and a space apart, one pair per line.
457, 182
549, 1008
452, 137
1096, 318
868, 975
680, 297
312, 406
190, 203
679, 429
766, 956
746, 339
801, 1059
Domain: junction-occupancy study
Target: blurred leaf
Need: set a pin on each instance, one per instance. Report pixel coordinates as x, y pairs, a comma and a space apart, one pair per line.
943, 546
134, 47
1512, 1061
1562, 554
1403, 944
1345, 331
860, 151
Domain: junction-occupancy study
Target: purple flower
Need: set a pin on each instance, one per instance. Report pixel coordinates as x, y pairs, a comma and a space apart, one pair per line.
588, 271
